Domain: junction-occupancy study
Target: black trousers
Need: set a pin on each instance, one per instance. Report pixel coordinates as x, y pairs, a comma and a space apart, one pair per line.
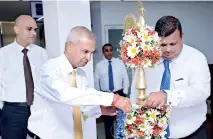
108, 126
108, 120
14, 120
200, 133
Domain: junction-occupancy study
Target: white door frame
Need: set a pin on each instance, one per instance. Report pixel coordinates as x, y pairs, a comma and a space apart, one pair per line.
107, 27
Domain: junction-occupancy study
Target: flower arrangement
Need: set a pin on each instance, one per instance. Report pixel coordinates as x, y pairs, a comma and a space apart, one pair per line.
139, 47
147, 122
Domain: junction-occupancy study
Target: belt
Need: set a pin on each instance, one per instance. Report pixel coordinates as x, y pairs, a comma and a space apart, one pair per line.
32, 135
17, 104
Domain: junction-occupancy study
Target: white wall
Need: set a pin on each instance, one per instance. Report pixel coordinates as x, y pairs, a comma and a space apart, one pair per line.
196, 19
95, 10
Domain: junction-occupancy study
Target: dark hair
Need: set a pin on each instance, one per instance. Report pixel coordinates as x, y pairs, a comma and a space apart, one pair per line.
167, 25
107, 44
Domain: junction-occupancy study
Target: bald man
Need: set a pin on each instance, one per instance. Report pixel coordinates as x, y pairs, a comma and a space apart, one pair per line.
20, 61
52, 111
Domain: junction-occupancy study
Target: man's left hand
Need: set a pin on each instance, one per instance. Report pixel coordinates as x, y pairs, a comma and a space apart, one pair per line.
156, 99
108, 110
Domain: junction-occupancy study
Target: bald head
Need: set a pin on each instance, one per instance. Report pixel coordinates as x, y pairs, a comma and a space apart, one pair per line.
24, 18
80, 33
25, 29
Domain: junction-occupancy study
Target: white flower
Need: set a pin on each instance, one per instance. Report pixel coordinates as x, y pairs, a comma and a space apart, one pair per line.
153, 115
130, 119
146, 38
132, 51
140, 34
130, 39
146, 47
149, 130
142, 127
162, 122
146, 121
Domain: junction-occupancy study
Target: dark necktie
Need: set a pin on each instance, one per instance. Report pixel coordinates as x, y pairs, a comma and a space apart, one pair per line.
28, 78
165, 84
110, 74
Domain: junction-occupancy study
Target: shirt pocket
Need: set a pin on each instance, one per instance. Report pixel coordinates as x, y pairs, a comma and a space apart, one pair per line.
180, 83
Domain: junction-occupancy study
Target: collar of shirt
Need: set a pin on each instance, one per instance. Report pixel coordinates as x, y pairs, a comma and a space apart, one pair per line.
19, 48
175, 60
106, 60
67, 67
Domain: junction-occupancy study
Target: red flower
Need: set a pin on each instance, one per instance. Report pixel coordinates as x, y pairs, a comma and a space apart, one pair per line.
131, 127
135, 61
157, 131
154, 60
134, 31
138, 40
146, 53
139, 119
150, 32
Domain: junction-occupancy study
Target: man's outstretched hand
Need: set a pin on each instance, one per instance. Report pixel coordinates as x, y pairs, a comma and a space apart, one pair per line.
122, 103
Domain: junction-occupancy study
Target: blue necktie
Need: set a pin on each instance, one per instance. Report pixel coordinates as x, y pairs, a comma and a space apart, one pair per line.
110, 74
165, 84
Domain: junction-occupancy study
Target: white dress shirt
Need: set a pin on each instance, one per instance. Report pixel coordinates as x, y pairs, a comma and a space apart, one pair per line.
190, 87
12, 80
120, 76
51, 112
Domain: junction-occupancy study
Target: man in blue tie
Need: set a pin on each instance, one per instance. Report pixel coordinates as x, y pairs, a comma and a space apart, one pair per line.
181, 79
111, 76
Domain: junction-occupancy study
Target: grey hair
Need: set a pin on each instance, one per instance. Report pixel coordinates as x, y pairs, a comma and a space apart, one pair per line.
78, 33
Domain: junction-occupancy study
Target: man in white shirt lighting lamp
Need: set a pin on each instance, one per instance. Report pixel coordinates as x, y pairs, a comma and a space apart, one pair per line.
53, 110
183, 78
